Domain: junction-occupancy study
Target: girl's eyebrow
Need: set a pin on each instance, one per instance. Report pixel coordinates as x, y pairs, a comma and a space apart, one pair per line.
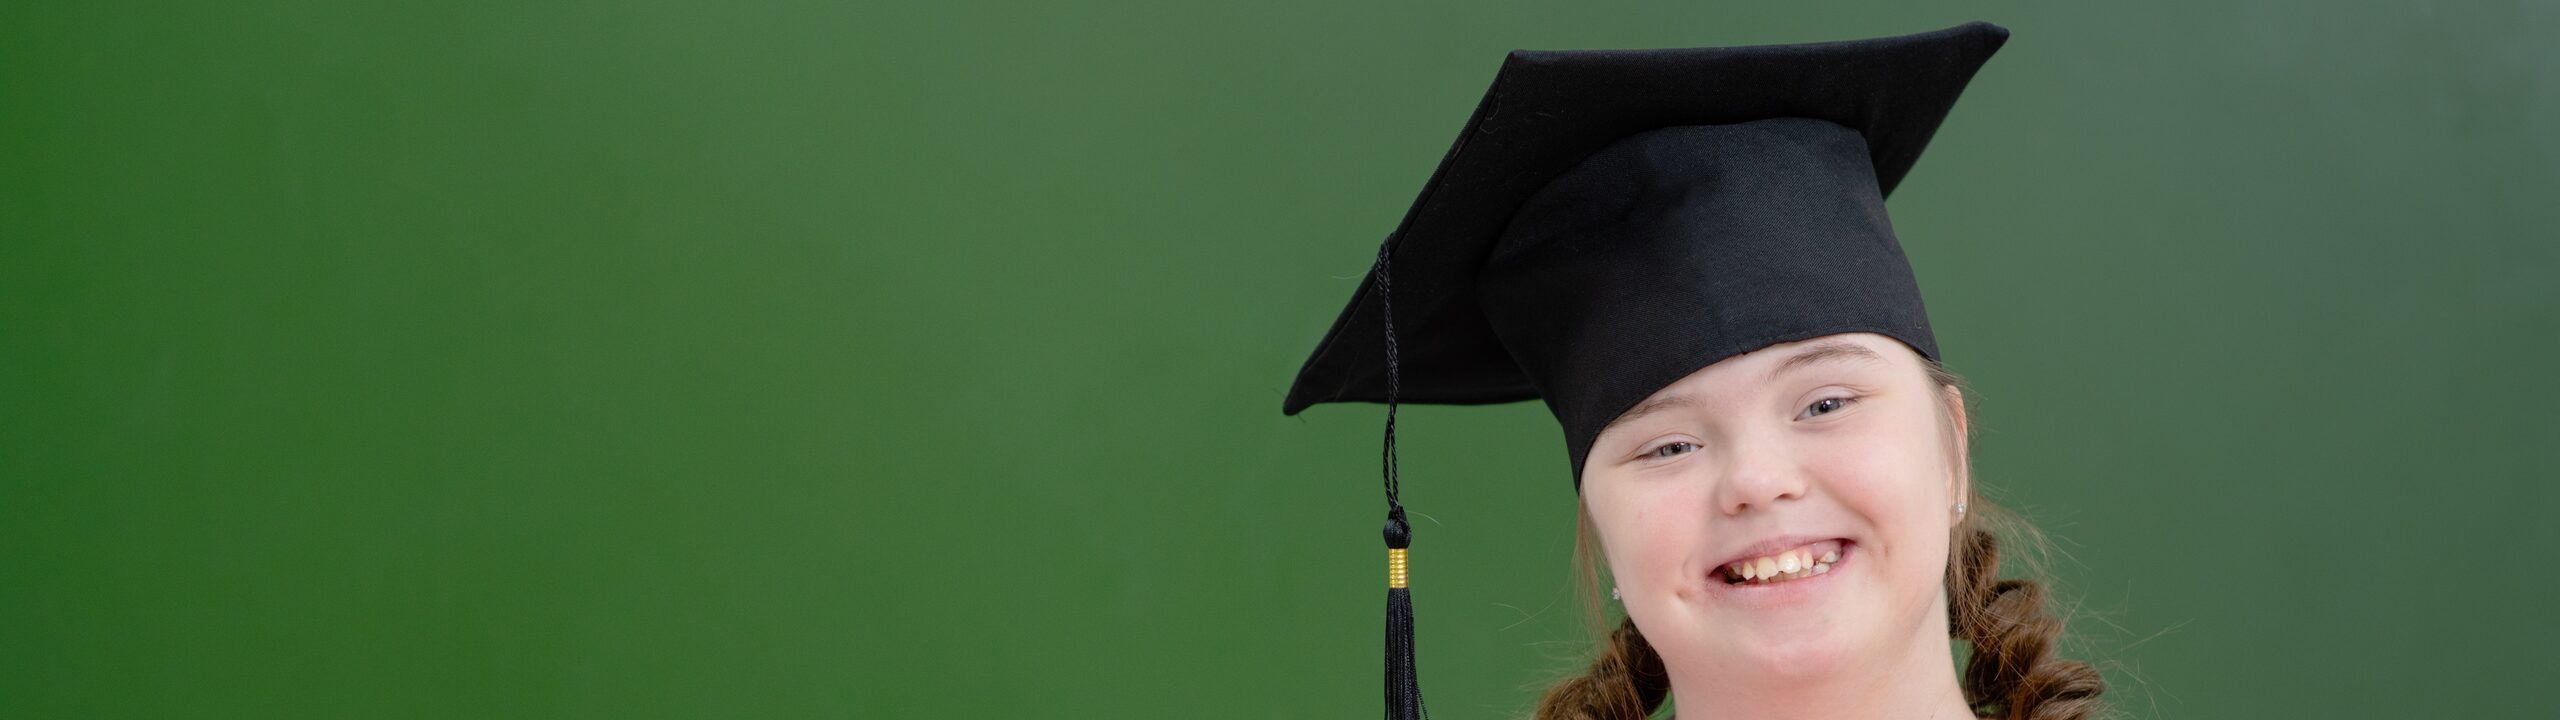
1829, 351
1832, 351
1649, 407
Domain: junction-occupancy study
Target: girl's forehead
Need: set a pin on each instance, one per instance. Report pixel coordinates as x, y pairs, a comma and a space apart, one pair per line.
1760, 368
1750, 374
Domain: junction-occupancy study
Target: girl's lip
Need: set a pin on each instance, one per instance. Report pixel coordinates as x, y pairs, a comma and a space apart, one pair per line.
1773, 546
1780, 593
1815, 548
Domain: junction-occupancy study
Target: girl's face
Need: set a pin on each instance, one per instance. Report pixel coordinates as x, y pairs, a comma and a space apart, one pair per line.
1839, 451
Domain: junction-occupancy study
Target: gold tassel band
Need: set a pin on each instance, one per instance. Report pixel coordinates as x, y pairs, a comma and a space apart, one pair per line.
1395, 567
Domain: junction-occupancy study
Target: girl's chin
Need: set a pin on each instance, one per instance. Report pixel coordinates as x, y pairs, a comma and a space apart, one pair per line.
1795, 654
1797, 659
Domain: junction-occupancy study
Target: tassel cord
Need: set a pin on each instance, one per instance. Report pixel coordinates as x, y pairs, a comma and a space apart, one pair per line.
1404, 688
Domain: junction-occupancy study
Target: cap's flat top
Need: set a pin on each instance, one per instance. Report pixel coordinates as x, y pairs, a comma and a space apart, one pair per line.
1549, 110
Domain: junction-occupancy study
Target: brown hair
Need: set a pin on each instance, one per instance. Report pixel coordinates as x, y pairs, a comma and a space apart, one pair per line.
2013, 672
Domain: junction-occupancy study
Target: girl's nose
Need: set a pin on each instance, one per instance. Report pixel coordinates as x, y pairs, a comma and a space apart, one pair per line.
1757, 479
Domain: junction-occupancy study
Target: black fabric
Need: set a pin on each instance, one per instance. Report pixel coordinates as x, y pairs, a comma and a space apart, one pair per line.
1677, 247
1610, 221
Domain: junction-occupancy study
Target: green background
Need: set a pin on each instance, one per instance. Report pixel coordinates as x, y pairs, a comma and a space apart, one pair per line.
645, 359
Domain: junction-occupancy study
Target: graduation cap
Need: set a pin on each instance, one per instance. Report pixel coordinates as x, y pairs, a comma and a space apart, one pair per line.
1610, 221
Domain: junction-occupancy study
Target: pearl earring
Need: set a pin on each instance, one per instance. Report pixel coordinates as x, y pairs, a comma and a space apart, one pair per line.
1959, 509
1613, 592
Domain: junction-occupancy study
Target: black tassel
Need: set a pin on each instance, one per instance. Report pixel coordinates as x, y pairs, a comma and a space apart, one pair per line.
1404, 689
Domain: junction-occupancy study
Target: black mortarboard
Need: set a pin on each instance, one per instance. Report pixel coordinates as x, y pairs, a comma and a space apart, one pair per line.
1610, 221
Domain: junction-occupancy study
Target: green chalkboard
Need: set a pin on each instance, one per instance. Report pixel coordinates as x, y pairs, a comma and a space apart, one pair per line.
809, 359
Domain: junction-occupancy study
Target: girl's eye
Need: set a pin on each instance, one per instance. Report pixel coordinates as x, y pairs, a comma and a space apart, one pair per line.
1825, 406
1672, 449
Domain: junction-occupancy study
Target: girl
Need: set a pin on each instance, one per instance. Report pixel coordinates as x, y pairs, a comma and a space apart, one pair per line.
1685, 255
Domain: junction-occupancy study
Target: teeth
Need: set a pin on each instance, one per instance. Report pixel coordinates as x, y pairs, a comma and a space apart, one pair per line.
1789, 565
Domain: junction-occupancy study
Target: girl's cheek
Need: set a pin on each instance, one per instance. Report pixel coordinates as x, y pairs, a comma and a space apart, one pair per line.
1871, 466
1671, 523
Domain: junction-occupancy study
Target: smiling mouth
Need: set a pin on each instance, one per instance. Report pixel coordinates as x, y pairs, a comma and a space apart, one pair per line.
1795, 564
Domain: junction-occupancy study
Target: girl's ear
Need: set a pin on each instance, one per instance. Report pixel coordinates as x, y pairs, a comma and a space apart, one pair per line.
1963, 440
1955, 409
